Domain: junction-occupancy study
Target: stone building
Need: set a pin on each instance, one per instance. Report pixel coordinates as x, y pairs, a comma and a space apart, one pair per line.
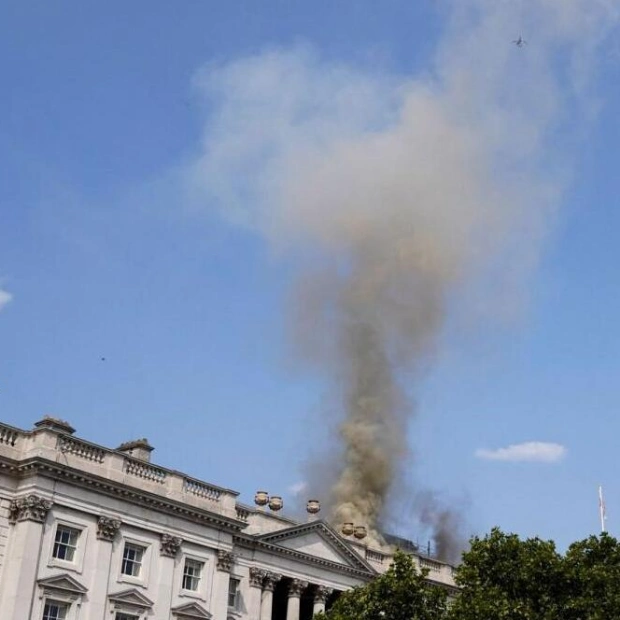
92, 533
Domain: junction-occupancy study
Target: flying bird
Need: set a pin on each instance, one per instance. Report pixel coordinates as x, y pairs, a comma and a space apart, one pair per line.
520, 42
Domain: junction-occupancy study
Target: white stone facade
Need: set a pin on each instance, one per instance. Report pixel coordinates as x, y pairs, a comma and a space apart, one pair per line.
91, 533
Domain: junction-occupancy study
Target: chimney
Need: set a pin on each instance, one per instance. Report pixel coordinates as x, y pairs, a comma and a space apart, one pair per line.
139, 449
54, 424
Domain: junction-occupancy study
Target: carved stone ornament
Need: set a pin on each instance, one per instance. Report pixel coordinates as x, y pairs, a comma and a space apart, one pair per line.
169, 545
107, 528
256, 577
29, 508
270, 581
225, 560
297, 587
321, 594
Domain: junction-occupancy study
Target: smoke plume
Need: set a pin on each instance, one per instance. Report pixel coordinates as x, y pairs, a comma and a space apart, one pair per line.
403, 200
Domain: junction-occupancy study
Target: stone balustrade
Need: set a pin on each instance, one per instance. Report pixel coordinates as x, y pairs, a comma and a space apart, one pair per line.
66, 450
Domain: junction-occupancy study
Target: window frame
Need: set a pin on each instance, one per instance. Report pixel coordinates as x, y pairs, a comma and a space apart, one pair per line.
200, 578
206, 578
237, 604
58, 603
58, 545
75, 565
139, 550
142, 579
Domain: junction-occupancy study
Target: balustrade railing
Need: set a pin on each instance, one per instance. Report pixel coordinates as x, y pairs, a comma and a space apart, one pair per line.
145, 470
433, 566
84, 450
201, 489
9, 435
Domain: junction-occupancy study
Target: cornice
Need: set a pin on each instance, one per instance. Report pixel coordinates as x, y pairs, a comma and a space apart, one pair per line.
249, 542
58, 471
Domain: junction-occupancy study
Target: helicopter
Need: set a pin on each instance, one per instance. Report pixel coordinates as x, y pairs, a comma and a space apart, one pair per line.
520, 42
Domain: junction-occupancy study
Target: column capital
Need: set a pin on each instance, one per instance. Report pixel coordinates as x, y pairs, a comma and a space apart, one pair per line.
270, 581
225, 560
29, 508
107, 528
257, 577
169, 545
322, 593
296, 587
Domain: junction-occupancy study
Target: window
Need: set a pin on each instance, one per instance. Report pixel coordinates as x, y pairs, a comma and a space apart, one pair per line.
121, 616
54, 610
191, 575
132, 560
65, 543
233, 593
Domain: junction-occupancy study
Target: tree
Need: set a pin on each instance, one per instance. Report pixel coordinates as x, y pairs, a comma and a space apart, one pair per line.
504, 578
401, 593
592, 570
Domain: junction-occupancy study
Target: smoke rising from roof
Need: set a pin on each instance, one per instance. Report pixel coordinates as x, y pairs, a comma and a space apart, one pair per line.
402, 199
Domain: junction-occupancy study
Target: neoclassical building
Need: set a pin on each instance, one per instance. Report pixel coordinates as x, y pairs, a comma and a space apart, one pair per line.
93, 533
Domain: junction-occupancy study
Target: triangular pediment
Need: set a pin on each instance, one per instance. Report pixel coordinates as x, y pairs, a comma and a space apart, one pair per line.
191, 610
131, 597
319, 540
65, 583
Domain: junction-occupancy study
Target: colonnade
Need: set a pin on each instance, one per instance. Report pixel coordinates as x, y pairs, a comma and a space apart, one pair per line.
262, 585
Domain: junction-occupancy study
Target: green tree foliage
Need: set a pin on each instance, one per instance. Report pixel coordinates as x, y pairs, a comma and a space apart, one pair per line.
504, 578
592, 569
402, 593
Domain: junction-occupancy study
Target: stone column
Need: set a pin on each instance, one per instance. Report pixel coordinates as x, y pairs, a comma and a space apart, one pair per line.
169, 546
266, 602
294, 595
27, 516
256, 589
107, 528
320, 596
225, 560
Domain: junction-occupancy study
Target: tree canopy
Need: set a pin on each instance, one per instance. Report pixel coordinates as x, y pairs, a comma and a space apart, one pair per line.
501, 577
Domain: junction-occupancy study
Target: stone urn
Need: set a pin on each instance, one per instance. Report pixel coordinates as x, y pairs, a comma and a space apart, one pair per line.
347, 529
360, 532
276, 503
261, 498
313, 506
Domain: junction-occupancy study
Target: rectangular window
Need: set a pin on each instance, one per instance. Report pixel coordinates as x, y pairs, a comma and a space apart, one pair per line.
233, 593
191, 575
55, 611
65, 543
132, 560
121, 616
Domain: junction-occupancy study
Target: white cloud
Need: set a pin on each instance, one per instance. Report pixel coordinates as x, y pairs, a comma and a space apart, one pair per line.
5, 298
298, 488
532, 451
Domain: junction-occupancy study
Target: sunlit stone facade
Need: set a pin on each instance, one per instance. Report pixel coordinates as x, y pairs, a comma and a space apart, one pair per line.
92, 533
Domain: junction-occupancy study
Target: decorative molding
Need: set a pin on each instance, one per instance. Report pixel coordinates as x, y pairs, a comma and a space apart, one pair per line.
107, 528
271, 579
257, 576
132, 600
62, 586
191, 611
321, 594
128, 493
225, 560
29, 508
296, 587
170, 545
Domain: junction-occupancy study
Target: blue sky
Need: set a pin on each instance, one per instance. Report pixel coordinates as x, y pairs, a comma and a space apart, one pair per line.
129, 231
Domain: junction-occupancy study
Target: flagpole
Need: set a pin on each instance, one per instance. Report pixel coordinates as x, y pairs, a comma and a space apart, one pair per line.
601, 508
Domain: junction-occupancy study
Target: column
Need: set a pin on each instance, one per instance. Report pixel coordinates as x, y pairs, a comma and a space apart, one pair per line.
266, 601
169, 546
294, 595
221, 580
26, 515
320, 596
107, 528
256, 589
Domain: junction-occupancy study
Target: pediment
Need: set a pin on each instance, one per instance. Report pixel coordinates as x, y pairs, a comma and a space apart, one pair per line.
319, 540
64, 583
131, 597
191, 610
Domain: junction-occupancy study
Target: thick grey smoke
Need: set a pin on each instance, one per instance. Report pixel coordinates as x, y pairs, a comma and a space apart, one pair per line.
403, 199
